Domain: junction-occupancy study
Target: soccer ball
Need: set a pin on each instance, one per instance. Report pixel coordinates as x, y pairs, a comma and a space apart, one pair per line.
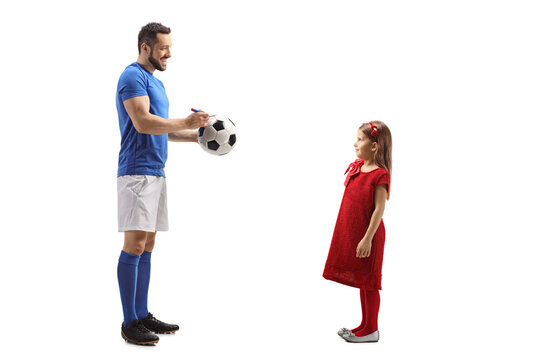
219, 137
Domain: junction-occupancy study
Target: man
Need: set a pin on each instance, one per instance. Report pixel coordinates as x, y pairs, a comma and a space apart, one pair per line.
143, 114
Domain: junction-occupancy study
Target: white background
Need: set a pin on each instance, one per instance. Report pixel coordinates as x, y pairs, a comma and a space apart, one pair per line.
240, 270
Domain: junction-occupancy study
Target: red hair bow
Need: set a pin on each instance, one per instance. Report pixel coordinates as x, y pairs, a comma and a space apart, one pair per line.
374, 131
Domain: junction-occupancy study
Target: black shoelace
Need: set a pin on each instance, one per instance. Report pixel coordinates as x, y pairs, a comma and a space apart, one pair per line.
153, 318
141, 328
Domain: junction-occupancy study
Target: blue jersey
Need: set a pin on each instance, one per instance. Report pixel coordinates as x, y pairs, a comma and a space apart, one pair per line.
141, 154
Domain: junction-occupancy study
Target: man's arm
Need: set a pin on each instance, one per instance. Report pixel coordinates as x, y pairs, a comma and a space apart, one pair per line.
138, 109
184, 136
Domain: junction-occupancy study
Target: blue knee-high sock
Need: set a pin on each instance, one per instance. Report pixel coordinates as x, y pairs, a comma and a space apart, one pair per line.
127, 281
143, 281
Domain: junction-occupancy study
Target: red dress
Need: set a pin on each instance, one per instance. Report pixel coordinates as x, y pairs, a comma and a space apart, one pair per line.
352, 223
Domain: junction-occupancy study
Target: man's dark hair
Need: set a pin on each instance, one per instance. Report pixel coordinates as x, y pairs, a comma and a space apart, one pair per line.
148, 33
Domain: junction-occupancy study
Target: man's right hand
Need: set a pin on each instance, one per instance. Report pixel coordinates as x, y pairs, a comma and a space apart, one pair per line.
197, 119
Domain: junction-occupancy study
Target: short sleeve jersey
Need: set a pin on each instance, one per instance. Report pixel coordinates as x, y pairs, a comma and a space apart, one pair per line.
141, 154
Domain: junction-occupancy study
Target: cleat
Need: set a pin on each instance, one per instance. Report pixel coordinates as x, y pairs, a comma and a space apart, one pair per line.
137, 333
158, 326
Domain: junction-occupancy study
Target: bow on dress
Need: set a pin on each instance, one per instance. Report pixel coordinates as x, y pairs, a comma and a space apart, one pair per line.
353, 169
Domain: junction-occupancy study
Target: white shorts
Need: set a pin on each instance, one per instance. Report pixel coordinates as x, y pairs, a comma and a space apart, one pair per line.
142, 203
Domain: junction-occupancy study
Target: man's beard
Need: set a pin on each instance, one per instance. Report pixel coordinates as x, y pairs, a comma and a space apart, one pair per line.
155, 63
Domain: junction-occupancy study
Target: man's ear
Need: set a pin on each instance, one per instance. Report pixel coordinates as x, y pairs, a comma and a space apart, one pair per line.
145, 48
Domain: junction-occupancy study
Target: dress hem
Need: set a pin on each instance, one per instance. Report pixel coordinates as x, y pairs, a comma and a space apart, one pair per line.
350, 283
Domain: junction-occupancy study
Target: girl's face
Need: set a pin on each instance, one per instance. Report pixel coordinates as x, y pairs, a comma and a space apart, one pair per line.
365, 148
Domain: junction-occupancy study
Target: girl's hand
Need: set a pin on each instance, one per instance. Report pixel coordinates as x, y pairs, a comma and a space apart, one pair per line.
363, 249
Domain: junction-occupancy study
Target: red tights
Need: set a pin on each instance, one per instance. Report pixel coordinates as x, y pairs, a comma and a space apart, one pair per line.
370, 300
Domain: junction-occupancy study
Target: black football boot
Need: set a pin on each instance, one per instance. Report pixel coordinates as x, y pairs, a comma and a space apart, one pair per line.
137, 333
157, 326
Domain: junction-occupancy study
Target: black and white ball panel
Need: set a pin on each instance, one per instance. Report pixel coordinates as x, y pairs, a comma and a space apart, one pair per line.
219, 137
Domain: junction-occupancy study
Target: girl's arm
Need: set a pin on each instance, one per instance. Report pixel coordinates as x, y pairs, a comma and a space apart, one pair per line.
364, 246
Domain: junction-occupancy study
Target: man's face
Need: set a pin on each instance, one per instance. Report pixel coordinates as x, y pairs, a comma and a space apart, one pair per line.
160, 52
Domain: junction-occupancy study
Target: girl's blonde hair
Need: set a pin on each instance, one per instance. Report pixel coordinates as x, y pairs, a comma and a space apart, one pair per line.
383, 156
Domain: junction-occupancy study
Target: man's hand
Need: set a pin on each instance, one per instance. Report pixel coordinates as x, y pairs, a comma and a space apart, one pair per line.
197, 119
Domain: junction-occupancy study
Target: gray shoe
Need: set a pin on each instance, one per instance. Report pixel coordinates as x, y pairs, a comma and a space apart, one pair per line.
343, 331
350, 337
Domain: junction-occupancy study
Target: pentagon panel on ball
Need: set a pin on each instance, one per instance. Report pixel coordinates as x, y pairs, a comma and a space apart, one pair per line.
219, 137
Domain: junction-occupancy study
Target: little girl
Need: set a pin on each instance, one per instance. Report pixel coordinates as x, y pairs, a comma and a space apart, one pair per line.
356, 252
